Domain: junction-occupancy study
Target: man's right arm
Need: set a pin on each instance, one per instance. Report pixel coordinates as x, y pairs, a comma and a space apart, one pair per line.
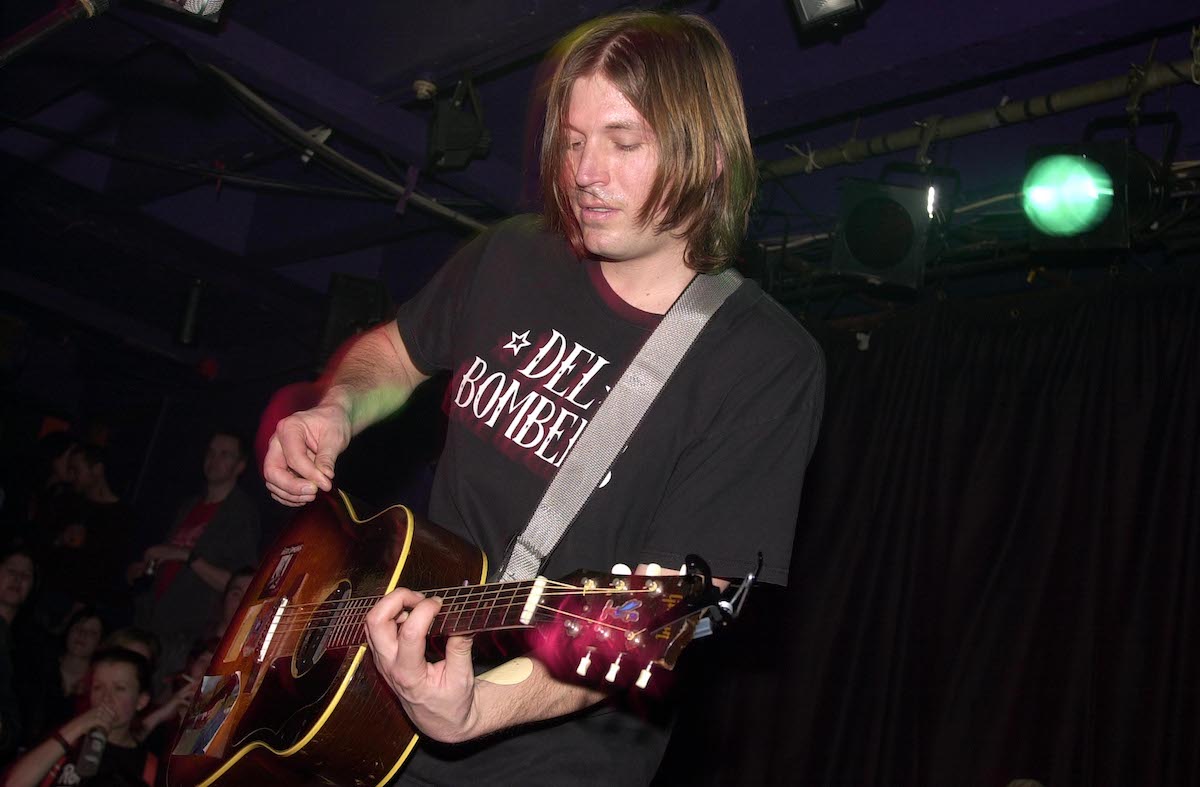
371, 380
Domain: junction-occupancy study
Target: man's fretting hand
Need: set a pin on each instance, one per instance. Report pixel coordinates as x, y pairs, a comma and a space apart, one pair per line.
439, 698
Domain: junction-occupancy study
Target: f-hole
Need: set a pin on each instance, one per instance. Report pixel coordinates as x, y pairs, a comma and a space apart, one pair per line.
322, 627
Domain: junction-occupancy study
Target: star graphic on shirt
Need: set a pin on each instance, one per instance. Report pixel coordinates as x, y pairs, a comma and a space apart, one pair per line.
519, 342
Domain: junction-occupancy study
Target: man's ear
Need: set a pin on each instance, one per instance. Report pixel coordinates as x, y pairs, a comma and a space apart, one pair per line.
143, 701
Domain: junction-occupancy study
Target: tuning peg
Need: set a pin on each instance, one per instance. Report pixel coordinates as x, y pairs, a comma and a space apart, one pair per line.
620, 569
611, 677
584, 663
644, 677
653, 570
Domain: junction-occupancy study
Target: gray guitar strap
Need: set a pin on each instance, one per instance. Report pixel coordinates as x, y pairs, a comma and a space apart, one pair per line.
619, 414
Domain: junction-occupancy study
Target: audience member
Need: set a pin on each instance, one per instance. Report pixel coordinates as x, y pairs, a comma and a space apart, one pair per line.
83, 564
139, 640
159, 726
119, 689
39, 495
214, 534
16, 581
54, 680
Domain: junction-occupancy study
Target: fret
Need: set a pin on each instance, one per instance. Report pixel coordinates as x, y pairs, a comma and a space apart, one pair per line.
358, 631
338, 627
487, 616
458, 626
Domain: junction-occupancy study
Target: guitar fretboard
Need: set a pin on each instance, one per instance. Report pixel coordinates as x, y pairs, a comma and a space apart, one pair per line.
470, 609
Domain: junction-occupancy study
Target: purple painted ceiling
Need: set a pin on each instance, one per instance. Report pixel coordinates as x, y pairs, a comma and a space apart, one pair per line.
121, 154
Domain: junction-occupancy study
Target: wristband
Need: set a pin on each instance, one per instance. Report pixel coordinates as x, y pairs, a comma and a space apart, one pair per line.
58, 736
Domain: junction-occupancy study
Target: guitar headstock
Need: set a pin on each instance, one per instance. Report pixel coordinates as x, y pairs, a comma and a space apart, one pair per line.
620, 628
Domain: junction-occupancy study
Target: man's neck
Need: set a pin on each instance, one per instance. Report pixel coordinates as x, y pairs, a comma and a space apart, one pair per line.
216, 493
8, 612
652, 286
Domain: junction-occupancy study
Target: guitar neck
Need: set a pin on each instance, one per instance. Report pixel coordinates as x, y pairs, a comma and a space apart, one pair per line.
469, 609
473, 609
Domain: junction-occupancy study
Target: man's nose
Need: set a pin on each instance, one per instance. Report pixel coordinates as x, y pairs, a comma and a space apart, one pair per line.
591, 168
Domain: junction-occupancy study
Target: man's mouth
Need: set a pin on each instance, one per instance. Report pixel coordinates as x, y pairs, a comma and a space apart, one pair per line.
596, 212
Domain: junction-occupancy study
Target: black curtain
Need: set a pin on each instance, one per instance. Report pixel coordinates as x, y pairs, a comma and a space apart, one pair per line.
997, 563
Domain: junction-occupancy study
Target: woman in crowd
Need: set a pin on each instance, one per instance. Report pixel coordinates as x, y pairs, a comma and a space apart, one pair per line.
119, 691
53, 685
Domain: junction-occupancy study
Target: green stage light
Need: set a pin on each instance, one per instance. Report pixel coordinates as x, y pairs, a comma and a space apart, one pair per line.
1067, 195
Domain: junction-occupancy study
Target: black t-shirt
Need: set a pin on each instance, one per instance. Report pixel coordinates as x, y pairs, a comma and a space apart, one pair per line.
535, 339
120, 766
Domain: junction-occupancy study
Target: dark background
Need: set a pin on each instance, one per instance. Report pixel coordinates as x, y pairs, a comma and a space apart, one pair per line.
995, 567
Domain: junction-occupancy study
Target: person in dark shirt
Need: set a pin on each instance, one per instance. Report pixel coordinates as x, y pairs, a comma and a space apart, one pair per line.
16, 581
214, 534
119, 691
647, 176
55, 675
83, 564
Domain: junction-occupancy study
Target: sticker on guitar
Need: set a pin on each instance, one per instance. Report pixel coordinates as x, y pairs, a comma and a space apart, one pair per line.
217, 696
281, 568
626, 613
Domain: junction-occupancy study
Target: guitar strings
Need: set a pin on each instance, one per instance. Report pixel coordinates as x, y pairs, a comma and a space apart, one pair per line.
452, 599
353, 613
549, 614
490, 587
356, 616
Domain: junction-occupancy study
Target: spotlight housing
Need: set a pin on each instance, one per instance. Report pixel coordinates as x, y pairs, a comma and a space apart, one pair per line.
882, 232
820, 13
1089, 195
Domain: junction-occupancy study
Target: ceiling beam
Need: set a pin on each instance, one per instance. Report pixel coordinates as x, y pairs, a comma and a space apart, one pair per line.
344, 106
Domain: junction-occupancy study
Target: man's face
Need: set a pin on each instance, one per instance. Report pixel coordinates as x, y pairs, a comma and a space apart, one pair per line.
16, 580
115, 684
222, 462
612, 156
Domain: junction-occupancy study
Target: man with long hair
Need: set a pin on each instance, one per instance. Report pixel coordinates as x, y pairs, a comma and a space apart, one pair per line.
648, 177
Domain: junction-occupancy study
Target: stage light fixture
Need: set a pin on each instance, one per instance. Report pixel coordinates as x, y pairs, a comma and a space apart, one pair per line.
818, 13
457, 133
882, 232
1089, 195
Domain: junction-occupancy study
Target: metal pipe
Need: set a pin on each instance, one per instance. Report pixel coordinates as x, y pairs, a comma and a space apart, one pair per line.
304, 141
1156, 77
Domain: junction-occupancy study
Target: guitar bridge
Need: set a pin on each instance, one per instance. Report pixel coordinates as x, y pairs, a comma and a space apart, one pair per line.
270, 633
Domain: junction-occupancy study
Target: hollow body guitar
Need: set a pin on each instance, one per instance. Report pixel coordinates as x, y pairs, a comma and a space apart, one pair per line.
292, 695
